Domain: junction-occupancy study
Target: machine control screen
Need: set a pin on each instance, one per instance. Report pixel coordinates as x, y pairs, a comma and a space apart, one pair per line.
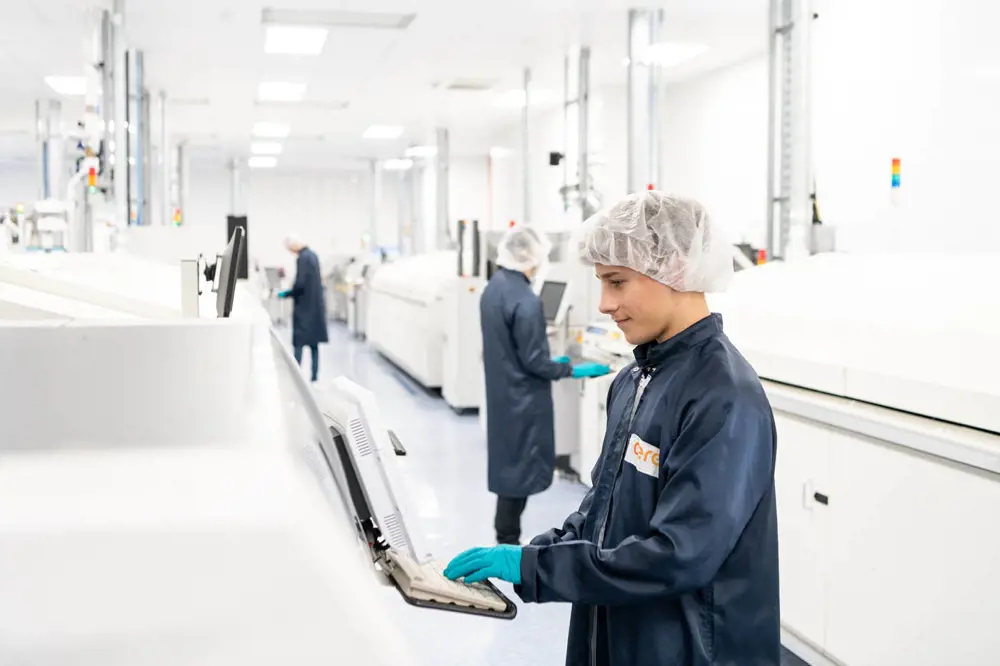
552, 296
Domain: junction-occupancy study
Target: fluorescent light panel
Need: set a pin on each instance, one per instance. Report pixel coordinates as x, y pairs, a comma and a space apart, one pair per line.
383, 132
280, 91
421, 151
260, 162
294, 40
336, 18
397, 165
270, 130
266, 148
67, 85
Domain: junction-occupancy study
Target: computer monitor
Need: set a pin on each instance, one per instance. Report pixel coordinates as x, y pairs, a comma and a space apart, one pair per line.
552, 297
226, 271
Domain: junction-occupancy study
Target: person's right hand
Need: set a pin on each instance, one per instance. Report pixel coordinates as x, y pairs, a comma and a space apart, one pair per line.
590, 370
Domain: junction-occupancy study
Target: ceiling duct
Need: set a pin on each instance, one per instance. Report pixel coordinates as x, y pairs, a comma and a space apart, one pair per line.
333, 18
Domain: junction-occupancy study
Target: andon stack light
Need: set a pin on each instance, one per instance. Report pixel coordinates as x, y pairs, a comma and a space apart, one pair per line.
92, 179
896, 170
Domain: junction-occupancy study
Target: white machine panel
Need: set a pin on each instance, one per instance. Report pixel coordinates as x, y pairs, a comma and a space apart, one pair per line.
463, 379
405, 313
891, 330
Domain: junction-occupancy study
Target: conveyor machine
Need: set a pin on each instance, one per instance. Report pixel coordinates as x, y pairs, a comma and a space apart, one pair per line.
882, 373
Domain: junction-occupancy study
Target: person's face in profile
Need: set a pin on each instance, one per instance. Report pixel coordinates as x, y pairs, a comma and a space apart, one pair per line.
640, 306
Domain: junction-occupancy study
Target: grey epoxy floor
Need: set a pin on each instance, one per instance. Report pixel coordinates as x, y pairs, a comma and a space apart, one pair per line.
444, 478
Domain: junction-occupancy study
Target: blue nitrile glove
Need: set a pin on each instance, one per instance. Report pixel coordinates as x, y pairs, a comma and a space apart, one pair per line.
590, 370
478, 564
561, 359
284, 294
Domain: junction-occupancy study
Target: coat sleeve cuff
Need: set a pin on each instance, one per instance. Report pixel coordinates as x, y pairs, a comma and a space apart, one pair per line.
528, 589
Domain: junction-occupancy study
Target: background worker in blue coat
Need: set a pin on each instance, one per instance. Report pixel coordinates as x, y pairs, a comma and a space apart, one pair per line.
519, 373
309, 309
672, 558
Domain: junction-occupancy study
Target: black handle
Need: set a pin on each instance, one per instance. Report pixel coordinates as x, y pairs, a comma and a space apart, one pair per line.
397, 445
461, 246
821, 498
475, 249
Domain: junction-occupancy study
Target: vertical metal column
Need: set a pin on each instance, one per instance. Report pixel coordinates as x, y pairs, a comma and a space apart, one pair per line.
526, 147
165, 153
376, 196
121, 169
644, 27
236, 201
181, 179
51, 153
405, 232
583, 108
146, 191
789, 205
443, 162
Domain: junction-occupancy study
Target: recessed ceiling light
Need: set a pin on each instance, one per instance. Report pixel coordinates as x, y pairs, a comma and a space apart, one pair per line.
671, 54
335, 17
265, 148
421, 151
67, 85
279, 91
270, 130
397, 165
294, 40
499, 152
383, 132
262, 162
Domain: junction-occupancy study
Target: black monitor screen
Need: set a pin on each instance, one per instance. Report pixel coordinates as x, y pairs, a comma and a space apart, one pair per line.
552, 296
361, 507
226, 272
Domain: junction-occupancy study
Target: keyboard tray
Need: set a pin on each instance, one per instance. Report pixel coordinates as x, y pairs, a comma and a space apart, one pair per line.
508, 613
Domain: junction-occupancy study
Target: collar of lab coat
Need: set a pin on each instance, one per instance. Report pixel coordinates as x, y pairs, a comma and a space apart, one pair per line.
652, 355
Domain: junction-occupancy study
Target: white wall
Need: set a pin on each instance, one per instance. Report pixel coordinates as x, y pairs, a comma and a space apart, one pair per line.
921, 83
330, 210
18, 184
715, 146
608, 155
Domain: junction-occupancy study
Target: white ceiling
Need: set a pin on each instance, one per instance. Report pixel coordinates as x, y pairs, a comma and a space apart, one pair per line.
208, 57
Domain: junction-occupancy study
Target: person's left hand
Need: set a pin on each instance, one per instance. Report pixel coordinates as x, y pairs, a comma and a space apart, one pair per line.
478, 564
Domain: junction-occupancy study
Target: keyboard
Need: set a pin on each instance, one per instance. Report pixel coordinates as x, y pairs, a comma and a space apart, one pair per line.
427, 582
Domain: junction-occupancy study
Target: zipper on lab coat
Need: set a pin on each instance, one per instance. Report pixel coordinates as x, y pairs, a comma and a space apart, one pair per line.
647, 374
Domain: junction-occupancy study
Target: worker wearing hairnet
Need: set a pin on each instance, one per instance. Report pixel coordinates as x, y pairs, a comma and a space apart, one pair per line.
672, 557
519, 372
309, 311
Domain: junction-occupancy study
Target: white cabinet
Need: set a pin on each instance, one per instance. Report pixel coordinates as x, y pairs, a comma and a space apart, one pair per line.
803, 525
899, 567
913, 559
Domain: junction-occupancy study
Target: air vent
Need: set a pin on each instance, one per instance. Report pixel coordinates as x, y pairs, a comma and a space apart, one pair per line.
364, 447
467, 85
394, 529
336, 19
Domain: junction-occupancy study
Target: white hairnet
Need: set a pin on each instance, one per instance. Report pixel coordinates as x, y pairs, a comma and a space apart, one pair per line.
293, 240
671, 239
522, 249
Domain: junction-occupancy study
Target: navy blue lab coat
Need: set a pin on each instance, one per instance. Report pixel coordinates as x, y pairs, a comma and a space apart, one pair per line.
309, 313
672, 559
519, 371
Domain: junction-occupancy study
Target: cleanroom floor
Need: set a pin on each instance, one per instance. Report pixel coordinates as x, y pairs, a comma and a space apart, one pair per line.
450, 509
